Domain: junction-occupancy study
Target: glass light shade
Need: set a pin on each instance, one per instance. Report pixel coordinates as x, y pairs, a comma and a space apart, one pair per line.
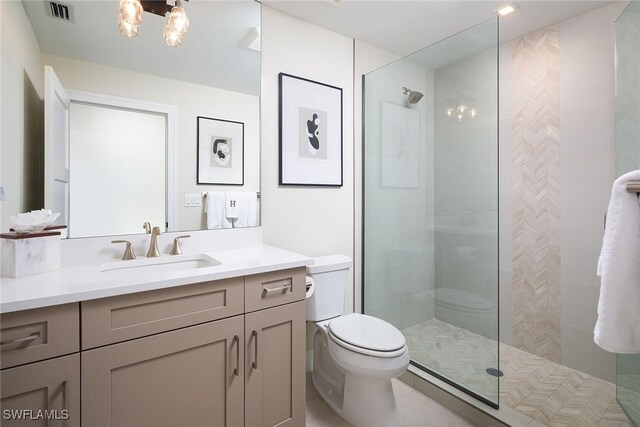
173, 38
178, 19
127, 29
177, 26
131, 11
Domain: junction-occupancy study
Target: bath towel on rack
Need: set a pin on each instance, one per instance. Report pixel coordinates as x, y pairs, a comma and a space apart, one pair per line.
618, 327
232, 206
244, 211
214, 208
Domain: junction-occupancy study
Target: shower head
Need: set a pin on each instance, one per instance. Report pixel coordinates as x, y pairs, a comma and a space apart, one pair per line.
413, 96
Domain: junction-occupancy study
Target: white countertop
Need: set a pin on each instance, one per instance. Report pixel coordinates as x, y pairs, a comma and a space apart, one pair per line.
86, 282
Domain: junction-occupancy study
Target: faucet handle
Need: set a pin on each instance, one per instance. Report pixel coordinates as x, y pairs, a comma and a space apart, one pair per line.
147, 227
175, 249
128, 251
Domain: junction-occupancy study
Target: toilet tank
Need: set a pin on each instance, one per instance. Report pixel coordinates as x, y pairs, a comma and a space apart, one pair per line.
330, 275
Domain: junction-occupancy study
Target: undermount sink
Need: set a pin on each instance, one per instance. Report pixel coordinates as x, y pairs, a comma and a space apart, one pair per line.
163, 264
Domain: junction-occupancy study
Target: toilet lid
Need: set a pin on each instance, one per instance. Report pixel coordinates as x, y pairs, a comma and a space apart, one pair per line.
367, 332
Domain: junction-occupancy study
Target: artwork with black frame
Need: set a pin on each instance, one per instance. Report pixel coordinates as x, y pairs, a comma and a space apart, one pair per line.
220, 152
310, 120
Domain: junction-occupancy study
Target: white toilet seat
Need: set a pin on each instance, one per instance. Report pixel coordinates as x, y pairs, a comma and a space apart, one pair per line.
366, 351
367, 335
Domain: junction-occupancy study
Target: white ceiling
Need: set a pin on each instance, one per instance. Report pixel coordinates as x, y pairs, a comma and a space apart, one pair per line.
403, 27
211, 53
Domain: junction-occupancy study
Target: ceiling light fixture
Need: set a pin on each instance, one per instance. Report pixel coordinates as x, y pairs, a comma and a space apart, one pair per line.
131, 17
506, 10
177, 26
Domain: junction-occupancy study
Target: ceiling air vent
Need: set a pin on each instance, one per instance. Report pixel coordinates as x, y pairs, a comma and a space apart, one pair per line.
59, 10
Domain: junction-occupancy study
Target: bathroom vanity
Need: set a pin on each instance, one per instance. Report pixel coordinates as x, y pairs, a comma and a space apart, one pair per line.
216, 345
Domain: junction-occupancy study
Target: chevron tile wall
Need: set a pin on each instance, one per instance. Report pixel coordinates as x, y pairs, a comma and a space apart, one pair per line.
536, 194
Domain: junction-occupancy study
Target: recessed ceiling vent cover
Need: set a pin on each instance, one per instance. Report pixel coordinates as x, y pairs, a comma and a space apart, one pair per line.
59, 10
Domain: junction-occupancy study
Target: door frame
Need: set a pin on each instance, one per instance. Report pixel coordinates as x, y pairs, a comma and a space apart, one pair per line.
171, 113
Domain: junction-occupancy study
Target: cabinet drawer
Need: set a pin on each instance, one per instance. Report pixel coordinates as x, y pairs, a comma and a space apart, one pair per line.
32, 335
274, 288
51, 385
121, 318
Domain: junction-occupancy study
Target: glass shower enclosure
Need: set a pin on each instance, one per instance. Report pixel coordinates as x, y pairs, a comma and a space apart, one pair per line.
430, 209
627, 159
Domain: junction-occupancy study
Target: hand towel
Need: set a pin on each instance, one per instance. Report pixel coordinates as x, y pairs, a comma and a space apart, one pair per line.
247, 210
618, 327
232, 204
214, 208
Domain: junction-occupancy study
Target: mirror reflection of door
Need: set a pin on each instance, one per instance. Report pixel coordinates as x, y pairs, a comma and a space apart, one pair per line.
56, 146
106, 161
118, 159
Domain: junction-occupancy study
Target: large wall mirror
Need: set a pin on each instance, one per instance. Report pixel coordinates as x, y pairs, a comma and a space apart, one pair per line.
115, 131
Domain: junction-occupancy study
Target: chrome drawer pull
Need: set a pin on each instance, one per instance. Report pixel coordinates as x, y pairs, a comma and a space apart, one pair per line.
28, 338
283, 289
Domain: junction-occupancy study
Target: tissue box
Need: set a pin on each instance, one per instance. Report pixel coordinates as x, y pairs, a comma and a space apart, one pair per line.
28, 254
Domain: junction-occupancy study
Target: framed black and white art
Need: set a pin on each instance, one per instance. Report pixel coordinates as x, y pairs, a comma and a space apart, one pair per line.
220, 152
310, 132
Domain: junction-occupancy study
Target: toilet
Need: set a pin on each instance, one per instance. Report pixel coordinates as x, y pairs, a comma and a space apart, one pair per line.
355, 356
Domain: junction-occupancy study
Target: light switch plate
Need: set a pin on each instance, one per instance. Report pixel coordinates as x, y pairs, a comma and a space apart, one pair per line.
192, 200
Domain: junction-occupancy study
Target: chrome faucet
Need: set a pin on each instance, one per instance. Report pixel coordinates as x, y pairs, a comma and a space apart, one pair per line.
153, 244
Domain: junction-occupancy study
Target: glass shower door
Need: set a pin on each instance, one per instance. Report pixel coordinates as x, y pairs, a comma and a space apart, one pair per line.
431, 206
627, 159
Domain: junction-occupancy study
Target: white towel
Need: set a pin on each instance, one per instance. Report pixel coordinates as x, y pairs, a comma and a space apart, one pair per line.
214, 208
232, 204
618, 327
247, 206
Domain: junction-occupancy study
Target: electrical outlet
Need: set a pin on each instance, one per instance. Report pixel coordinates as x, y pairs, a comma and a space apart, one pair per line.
1, 193
192, 200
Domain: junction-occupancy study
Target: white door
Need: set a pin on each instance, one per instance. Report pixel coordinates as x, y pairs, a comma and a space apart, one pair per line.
56, 146
118, 169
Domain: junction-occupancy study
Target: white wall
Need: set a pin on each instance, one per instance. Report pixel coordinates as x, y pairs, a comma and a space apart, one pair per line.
191, 101
22, 74
309, 220
505, 194
587, 167
466, 171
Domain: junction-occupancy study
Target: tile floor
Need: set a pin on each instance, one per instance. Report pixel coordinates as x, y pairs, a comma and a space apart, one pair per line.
415, 409
548, 392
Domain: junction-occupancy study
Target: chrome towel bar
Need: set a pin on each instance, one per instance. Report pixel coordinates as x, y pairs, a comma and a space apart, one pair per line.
633, 187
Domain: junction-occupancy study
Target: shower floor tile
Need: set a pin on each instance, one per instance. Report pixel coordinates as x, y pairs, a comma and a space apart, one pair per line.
544, 390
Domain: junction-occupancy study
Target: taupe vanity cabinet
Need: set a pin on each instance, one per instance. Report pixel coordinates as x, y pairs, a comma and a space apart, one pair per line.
179, 378
275, 366
222, 353
40, 367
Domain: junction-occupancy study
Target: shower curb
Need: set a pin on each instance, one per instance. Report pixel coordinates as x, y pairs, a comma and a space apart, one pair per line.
464, 405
